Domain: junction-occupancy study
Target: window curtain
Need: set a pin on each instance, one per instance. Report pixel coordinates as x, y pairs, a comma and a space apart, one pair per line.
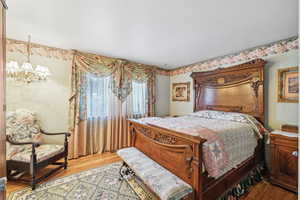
94, 133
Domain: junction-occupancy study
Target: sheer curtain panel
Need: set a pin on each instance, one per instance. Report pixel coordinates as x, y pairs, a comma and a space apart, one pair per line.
105, 93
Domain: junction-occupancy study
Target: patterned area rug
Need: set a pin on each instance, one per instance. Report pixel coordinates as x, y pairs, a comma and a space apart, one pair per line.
95, 184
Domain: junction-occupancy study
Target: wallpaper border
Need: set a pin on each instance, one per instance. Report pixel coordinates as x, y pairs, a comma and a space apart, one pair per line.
273, 48
18, 46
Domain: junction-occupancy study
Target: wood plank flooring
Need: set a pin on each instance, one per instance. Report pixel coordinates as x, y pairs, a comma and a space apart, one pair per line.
74, 166
262, 191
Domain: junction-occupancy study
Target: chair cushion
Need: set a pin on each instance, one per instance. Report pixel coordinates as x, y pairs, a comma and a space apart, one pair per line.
22, 126
14, 149
165, 184
43, 152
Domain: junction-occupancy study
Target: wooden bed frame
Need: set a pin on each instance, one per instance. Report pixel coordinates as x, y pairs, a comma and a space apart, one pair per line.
237, 89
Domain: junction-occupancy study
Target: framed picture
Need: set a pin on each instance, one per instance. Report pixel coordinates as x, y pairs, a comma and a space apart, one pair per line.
288, 85
181, 91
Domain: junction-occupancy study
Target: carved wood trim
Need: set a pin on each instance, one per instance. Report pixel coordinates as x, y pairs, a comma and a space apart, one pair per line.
225, 108
144, 131
255, 85
178, 148
168, 143
235, 89
225, 80
165, 139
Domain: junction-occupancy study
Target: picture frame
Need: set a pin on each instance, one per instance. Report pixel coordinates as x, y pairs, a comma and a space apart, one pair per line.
288, 85
181, 91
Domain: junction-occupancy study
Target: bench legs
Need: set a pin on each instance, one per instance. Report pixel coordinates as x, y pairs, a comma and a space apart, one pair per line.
125, 172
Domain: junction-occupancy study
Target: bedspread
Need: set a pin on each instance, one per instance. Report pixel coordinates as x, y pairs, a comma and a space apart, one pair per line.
231, 137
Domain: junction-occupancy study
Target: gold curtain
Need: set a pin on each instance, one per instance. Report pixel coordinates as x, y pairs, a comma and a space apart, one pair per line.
90, 136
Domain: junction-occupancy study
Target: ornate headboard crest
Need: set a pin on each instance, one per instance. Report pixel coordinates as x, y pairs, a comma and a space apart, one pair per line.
235, 89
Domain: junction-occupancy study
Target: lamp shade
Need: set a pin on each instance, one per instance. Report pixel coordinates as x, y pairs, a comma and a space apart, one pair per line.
27, 67
26, 73
12, 67
42, 71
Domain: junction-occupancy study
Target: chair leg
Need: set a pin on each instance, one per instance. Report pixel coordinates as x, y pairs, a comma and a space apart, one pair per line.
66, 152
33, 177
33, 169
8, 172
33, 185
66, 161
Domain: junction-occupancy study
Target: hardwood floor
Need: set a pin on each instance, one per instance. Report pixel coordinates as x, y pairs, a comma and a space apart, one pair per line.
74, 166
262, 191
266, 191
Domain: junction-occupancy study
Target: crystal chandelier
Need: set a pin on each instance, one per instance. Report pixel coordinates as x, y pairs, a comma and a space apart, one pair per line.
26, 73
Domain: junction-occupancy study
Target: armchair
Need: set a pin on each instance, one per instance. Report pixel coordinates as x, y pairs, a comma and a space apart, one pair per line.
25, 151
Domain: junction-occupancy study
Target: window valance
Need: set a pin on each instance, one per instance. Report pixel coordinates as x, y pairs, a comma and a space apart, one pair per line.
123, 72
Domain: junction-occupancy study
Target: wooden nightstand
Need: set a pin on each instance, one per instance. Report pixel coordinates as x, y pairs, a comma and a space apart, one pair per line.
284, 148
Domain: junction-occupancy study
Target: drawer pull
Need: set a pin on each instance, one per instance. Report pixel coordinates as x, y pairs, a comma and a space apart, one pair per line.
295, 153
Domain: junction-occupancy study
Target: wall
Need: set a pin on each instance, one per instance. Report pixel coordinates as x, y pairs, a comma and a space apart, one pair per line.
162, 95
279, 113
276, 113
48, 99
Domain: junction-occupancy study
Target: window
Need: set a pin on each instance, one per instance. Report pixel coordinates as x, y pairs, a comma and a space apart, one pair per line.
139, 98
98, 93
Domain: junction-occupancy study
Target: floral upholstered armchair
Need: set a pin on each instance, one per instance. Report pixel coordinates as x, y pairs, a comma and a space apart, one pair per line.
25, 151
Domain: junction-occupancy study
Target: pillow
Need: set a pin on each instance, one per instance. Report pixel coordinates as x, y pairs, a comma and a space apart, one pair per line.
232, 116
22, 126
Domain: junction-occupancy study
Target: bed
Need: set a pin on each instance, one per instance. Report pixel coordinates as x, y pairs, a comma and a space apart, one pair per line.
237, 89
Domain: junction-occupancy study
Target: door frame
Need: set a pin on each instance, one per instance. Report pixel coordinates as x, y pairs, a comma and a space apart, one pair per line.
2, 98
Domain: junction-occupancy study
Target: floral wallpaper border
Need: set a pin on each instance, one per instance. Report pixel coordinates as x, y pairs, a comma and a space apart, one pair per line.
19, 46
38, 49
274, 48
278, 47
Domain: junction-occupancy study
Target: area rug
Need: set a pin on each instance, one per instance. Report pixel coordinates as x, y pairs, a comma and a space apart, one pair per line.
95, 184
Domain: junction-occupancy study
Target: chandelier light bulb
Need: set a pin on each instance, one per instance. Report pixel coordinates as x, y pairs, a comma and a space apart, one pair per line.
12, 67
27, 73
27, 67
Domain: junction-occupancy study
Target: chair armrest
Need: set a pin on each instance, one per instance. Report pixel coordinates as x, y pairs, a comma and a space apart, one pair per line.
63, 133
21, 143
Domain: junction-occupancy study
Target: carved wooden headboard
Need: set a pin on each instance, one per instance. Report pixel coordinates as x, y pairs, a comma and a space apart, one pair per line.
235, 89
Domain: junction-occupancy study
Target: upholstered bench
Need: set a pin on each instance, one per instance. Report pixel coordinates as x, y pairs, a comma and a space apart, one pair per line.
159, 180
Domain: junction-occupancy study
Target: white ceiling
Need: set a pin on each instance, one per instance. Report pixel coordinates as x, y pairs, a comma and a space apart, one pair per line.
167, 33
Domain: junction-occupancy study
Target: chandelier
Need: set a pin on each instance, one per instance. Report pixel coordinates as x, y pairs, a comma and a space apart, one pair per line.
26, 73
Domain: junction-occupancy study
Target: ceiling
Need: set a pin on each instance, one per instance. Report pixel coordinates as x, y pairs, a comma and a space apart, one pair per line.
168, 33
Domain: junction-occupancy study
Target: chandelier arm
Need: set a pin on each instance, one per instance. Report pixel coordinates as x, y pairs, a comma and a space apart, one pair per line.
29, 48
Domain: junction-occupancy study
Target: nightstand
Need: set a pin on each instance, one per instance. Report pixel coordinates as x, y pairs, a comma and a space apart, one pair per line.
284, 148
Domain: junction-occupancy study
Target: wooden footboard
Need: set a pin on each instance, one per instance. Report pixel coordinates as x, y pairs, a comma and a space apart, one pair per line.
177, 152
182, 155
